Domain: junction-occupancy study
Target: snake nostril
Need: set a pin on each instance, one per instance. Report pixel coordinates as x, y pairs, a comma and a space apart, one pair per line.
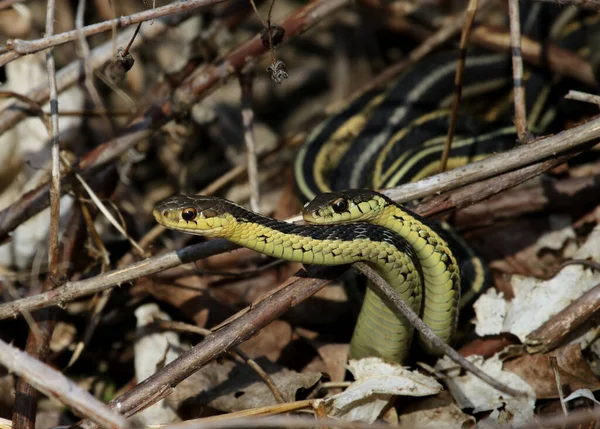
165, 213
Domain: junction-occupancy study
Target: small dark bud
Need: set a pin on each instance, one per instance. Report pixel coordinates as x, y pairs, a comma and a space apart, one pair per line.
277, 34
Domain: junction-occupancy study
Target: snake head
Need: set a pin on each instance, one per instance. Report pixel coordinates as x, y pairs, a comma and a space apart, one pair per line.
352, 205
199, 215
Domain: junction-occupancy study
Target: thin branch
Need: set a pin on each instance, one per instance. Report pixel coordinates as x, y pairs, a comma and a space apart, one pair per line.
500, 163
289, 421
38, 344
458, 79
248, 123
589, 4
554, 331
54, 384
24, 47
88, 70
73, 290
392, 297
517, 66
54, 139
559, 385
583, 96
559, 60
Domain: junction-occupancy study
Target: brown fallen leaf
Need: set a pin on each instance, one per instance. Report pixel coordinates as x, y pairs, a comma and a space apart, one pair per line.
574, 371
243, 389
435, 411
269, 341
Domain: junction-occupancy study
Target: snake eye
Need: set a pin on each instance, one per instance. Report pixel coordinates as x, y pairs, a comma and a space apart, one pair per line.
340, 205
189, 214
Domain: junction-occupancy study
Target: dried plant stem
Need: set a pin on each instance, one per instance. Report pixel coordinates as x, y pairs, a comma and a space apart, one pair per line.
38, 345
458, 80
517, 66
54, 384
583, 96
248, 123
589, 4
538, 150
392, 297
54, 139
88, 70
24, 47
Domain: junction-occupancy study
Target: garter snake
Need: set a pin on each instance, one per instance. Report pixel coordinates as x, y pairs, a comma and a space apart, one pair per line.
387, 252
441, 273
392, 136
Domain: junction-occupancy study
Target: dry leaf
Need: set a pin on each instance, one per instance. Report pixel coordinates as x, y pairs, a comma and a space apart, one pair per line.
574, 371
470, 392
377, 382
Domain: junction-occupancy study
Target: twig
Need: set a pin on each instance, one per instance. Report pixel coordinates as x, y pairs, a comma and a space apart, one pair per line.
458, 79
248, 123
554, 331
427, 46
54, 138
73, 290
500, 163
26, 398
559, 386
102, 207
72, 73
559, 60
261, 411
88, 70
24, 47
590, 4
583, 96
465, 197
517, 66
392, 297
52, 383
289, 421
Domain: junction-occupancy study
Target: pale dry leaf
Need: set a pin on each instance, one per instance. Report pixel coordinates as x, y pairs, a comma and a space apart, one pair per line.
535, 300
377, 382
153, 350
470, 392
490, 311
